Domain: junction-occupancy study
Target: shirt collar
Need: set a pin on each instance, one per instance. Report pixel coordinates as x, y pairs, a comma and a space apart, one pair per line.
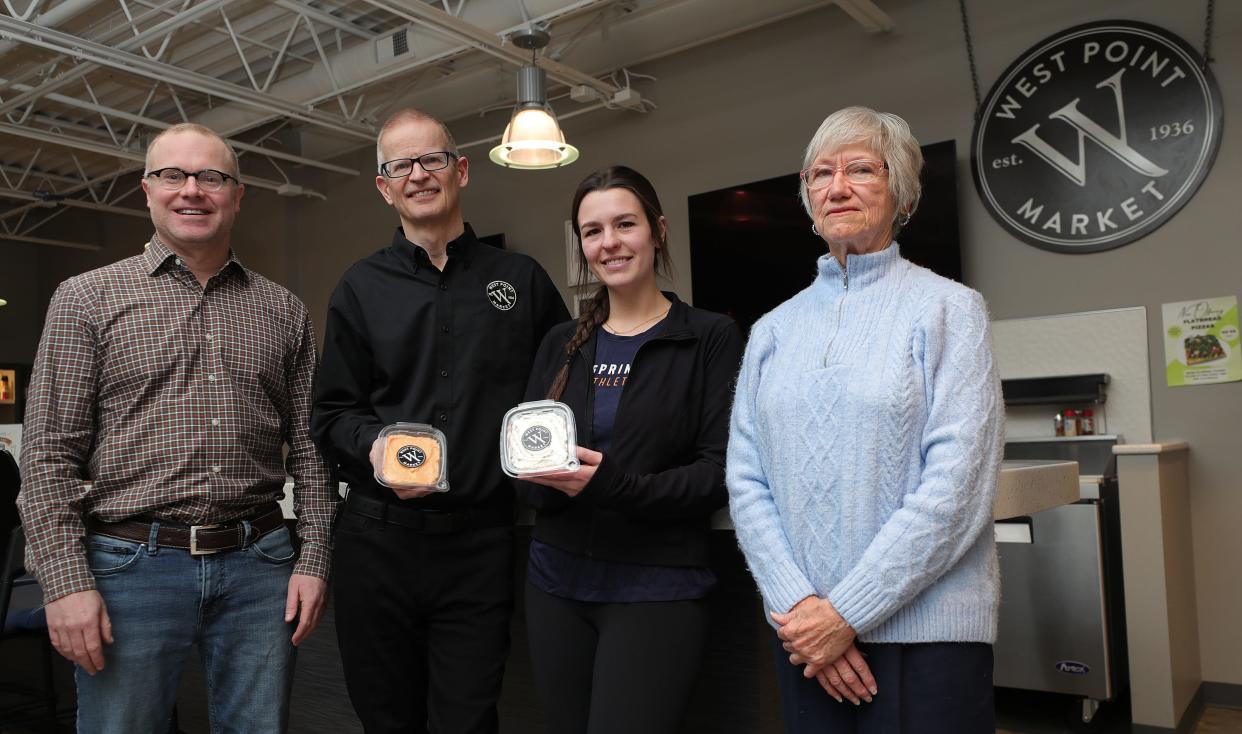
415, 256
159, 257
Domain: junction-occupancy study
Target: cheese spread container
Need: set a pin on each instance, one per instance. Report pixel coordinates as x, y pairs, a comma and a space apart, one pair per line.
414, 457
539, 437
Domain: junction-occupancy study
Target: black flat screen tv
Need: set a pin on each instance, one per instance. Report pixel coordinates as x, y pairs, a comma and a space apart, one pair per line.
751, 246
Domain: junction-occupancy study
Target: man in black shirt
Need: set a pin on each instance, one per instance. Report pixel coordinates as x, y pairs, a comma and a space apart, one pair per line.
437, 329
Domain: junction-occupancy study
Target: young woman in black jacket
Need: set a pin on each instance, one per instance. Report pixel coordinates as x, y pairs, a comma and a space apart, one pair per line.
618, 566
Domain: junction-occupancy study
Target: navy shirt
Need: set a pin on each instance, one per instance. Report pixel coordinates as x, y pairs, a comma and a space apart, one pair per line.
567, 575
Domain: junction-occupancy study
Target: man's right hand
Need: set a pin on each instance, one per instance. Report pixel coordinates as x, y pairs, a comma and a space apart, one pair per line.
377, 464
79, 626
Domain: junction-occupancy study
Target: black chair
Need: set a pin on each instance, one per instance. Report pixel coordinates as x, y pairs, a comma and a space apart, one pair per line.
34, 705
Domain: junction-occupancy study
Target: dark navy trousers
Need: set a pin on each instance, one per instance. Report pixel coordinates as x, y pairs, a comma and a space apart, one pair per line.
929, 688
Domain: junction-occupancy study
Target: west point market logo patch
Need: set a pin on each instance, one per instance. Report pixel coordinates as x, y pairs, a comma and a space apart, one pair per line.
502, 295
1096, 136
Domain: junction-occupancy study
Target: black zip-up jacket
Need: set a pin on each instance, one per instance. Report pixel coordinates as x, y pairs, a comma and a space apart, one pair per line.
652, 495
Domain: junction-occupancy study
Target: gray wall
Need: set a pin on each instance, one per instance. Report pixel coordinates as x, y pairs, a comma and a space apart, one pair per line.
742, 110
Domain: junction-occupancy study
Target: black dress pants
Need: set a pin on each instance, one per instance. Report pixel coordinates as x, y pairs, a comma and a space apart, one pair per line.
422, 620
614, 668
929, 688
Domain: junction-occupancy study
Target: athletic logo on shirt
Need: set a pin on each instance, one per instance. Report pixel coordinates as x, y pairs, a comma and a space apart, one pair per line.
411, 456
536, 438
502, 295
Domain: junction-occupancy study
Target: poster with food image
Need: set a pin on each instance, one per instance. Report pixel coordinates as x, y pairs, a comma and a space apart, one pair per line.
1201, 341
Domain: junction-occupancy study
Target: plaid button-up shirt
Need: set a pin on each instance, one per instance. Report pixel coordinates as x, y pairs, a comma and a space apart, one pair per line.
173, 402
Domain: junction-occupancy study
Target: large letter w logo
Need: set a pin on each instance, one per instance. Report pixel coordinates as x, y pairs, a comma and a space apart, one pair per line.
1076, 171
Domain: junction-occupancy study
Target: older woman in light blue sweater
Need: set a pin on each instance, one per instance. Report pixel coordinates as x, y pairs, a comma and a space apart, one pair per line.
864, 452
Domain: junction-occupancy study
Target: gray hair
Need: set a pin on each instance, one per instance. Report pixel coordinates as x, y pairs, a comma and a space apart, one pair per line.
410, 114
193, 127
886, 134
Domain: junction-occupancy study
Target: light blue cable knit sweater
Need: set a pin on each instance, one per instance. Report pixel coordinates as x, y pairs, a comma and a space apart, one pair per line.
865, 449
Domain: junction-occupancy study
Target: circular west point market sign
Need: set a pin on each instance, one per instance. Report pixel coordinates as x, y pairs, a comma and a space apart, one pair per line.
1096, 136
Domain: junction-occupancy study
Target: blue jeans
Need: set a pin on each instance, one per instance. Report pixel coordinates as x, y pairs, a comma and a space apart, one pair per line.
161, 602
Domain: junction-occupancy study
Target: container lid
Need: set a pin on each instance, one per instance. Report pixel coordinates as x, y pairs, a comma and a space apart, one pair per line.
415, 457
538, 437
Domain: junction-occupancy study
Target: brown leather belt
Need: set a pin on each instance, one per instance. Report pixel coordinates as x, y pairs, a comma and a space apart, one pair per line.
197, 539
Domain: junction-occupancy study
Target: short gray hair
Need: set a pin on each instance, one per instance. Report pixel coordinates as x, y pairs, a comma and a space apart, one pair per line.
193, 127
886, 134
410, 114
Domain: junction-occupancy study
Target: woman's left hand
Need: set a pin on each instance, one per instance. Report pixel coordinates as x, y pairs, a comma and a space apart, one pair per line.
814, 634
571, 482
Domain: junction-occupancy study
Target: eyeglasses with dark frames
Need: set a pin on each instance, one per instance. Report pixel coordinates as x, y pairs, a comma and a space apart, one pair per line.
402, 167
173, 179
861, 171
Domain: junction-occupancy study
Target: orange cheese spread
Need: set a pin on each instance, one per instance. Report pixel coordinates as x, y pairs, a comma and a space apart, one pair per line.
411, 460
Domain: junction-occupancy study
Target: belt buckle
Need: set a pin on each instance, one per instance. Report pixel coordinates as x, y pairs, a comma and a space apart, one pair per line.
194, 549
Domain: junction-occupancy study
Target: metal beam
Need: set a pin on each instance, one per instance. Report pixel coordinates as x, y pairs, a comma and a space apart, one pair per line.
81, 70
325, 18
76, 203
44, 241
46, 137
488, 42
867, 14
96, 53
39, 175
159, 125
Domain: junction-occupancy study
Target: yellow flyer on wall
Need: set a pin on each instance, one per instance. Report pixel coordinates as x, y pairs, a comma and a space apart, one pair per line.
1201, 341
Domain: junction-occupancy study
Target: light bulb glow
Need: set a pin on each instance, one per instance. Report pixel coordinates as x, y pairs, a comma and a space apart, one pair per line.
533, 140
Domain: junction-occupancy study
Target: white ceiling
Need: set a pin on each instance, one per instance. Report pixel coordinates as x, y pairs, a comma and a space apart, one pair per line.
294, 83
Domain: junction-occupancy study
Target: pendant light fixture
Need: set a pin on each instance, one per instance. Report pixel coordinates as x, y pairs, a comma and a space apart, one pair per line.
533, 138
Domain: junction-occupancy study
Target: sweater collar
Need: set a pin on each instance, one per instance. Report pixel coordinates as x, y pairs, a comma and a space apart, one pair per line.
860, 271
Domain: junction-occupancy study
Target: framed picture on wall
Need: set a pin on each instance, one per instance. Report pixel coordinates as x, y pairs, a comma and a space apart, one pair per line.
578, 300
8, 387
571, 258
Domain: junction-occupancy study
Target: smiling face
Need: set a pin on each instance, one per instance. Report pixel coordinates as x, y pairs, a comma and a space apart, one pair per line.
422, 198
617, 240
854, 218
190, 219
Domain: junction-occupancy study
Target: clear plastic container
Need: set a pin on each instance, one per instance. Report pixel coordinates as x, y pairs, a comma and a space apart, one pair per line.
539, 437
415, 457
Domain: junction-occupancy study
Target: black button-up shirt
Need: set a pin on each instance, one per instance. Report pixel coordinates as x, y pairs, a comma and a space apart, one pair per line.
452, 348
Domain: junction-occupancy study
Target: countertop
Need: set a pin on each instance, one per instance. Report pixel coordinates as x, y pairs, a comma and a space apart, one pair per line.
1026, 487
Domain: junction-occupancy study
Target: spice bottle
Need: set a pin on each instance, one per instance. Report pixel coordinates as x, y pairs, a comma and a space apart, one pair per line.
1058, 424
1086, 424
1071, 422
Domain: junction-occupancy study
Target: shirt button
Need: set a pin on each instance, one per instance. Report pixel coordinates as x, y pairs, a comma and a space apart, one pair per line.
444, 329
444, 286
179, 262
211, 378
215, 421
215, 469
444, 417
444, 373
209, 337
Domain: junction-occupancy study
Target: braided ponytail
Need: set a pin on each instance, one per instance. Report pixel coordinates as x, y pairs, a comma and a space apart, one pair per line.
594, 313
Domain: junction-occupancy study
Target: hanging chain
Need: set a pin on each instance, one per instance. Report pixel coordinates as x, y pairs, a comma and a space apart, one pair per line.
970, 56
1207, 34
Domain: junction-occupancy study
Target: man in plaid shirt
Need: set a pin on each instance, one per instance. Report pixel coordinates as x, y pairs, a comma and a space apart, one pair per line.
164, 389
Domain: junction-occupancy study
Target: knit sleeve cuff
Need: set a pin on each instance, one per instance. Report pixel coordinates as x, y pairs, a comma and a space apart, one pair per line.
861, 601
785, 588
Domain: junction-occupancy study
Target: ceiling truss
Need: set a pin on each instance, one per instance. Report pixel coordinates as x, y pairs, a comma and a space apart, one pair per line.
84, 84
